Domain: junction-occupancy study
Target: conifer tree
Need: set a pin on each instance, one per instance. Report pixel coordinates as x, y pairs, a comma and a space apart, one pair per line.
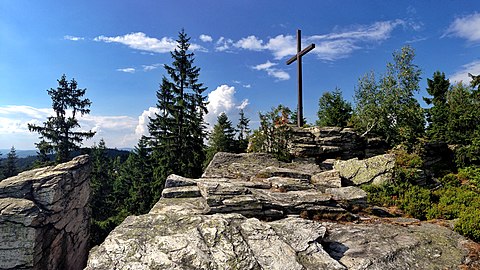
437, 115
222, 138
10, 168
333, 110
177, 132
243, 132
60, 131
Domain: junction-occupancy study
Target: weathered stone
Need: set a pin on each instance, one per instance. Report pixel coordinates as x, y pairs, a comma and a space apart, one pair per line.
282, 172
350, 195
389, 246
178, 181
181, 192
285, 184
44, 217
376, 170
327, 179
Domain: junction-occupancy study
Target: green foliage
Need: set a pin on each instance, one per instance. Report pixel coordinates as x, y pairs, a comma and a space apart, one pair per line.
388, 108
60, 132
468, 224
437, 115
10, 165
415, 201
222, 138
243, 132
333, 110
177, 132
273, 133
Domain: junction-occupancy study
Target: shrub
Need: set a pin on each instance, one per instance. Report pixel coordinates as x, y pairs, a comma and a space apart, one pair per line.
468, 223
416, 201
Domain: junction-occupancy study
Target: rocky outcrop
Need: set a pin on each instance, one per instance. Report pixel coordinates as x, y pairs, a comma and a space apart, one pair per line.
324, 143
375, 170
44, 217
249, 211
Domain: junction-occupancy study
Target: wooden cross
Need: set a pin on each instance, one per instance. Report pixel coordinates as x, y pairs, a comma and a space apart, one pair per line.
298, 58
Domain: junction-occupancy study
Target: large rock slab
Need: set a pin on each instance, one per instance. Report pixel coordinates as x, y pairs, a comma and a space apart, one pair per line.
44, 217
169, 240
376, 170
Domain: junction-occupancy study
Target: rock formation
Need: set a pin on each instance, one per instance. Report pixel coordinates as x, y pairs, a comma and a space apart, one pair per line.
44, 217
250, 211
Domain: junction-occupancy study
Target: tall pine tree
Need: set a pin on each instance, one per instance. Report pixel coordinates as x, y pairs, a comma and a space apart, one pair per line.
437, 115
177, 132
222, 138
61, 131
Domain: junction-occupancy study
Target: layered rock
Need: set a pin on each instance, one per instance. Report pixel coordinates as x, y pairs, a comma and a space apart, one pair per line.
44, 217
324, 143
375, 170
248, 211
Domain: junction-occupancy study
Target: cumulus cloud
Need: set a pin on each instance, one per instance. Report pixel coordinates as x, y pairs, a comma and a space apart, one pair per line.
222, 99
273, 72
73, 38
223, 44
250, 43
462, 73
140, 41
206, 38
14, 120
144, 119
467, 27
127, 70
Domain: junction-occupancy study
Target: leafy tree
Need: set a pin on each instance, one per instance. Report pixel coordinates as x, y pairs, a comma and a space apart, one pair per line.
243, 132
222, 138
177, 132
333, 110
10, 167
273, 133
60, 131
437, 115
388, 108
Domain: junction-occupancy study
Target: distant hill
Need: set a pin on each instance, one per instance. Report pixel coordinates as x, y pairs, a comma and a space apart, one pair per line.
26, 158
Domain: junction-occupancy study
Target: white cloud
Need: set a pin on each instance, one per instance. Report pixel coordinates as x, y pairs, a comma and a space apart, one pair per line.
223, 44
151, 67
273, 72
222, 99
127, 70
265, 66
467, 27
206, 38
250, 43
247, 85
462, 74
332, 46
140, 41
117, 131
73, 38
144, 119
243, 104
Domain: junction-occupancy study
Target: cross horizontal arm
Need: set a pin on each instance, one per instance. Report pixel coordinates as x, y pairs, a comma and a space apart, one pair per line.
302, 53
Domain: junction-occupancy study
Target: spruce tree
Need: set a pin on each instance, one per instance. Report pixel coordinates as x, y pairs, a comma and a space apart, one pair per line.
177, 132
333, 110
60, 131
243, 132
222, 138
10, 168
437, 115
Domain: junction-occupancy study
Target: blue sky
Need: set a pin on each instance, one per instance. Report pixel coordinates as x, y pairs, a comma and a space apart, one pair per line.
116, 50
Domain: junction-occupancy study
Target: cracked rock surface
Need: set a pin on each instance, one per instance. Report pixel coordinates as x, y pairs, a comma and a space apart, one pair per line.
44, 217
248, 211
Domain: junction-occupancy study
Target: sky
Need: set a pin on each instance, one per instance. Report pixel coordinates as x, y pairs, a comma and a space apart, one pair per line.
117, 49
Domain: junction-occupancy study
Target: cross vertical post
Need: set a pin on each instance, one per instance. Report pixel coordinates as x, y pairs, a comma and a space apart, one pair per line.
298, 58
